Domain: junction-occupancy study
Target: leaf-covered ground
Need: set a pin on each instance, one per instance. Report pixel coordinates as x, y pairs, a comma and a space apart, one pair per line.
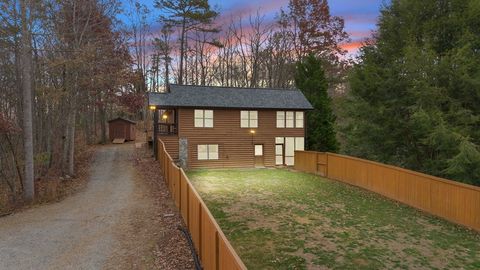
278, 219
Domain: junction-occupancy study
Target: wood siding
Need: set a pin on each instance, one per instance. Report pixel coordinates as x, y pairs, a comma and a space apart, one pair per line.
236, 144
171, 144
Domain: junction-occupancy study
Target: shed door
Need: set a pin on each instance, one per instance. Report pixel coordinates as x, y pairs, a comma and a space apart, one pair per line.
120, 131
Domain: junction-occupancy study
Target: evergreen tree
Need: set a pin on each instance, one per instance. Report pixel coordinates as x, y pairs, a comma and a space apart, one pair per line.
187, 15
310, 79
415, 93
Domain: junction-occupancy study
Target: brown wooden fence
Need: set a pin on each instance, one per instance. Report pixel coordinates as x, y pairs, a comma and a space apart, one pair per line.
454, 201
212, 246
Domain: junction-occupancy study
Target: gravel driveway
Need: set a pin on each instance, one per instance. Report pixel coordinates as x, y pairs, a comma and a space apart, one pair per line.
78, 232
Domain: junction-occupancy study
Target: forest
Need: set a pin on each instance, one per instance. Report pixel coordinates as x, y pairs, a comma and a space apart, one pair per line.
409, 98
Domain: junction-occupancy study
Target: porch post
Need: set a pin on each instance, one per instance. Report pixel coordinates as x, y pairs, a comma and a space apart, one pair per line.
175, 111
155, 133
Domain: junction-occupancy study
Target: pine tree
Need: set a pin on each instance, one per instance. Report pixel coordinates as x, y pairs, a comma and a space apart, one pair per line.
310, 79
187, 15
416, 89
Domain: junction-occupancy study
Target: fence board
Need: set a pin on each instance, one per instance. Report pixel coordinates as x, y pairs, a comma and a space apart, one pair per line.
307, 162
184, 196
209, 241
204, 230
171, 177
176, 185
448, 199
194, 219
227, 258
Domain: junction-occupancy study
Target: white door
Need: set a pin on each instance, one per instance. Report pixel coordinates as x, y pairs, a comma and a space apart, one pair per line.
289, 150
279, 154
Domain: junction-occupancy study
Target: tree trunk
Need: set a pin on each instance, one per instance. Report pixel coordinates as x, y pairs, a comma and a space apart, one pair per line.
103, 120
71, 146
66, 139
182, 53
26, 63
167, 76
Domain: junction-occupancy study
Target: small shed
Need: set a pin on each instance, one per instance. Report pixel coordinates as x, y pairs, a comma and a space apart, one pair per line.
121, 128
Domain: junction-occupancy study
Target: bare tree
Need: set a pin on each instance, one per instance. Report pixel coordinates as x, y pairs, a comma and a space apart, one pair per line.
26, 67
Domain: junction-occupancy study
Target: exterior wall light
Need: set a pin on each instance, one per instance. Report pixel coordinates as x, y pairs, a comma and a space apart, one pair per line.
152, 107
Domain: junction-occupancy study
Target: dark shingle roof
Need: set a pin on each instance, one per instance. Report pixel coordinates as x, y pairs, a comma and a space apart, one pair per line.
122, 119
230, 97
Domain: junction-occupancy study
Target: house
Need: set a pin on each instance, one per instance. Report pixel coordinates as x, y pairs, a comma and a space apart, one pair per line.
217, 127
121, 128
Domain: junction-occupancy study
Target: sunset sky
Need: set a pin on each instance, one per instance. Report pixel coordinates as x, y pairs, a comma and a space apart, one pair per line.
360, 15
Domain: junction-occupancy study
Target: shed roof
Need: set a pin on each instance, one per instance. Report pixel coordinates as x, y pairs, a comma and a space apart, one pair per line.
230, 97
122, 119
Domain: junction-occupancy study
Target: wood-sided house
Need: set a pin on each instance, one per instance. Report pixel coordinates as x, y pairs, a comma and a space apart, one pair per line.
215, 127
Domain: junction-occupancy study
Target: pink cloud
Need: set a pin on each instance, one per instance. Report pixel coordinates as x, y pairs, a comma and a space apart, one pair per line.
352, 48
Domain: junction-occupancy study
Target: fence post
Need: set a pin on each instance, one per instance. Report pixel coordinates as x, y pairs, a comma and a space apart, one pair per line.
326, 165
217, 250
200, 221
179, 189
188, 203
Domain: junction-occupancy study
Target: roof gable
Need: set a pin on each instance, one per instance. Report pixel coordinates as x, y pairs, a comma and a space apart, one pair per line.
230, 97
122, 119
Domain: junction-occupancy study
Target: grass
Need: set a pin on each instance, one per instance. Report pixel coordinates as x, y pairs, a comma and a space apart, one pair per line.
278, 219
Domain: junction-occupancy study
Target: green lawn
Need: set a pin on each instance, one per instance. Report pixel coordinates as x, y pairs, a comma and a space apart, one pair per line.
277, 219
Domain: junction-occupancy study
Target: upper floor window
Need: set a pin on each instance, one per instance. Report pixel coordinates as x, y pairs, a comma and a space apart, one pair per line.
289, 119
204, 118
280, 119
299, 119
249, 119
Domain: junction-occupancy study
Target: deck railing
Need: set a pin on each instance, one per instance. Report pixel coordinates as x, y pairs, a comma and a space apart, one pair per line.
167, 129
454, 201
212, 246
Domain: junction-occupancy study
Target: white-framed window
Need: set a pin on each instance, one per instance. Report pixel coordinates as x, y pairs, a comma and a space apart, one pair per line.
299, 143
290, 119
280, 119
249, 119
207, 151
203, 118
299, 119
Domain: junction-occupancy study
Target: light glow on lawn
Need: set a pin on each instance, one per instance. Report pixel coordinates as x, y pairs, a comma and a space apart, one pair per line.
278, 219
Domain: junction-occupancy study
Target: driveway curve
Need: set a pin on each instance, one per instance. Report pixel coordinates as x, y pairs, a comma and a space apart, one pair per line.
78, 232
